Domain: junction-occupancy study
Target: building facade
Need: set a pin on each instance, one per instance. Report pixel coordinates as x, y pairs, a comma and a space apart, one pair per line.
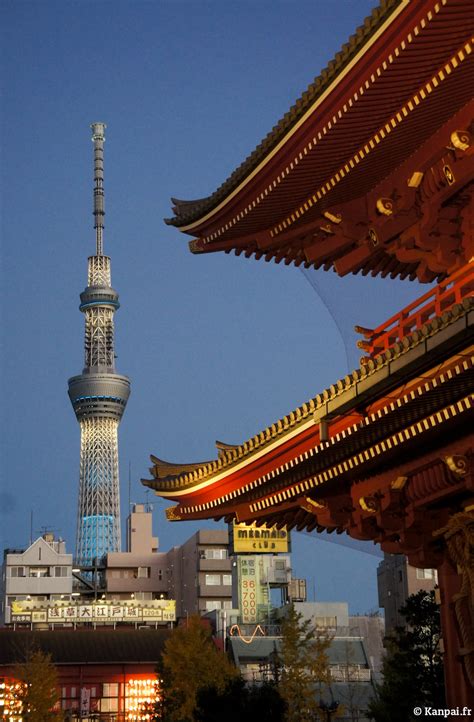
200, 573
353, 668
41, 573
141, 571
102, 675
396, 581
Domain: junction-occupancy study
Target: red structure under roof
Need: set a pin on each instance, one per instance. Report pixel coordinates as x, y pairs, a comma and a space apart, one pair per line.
345, 179
371, 171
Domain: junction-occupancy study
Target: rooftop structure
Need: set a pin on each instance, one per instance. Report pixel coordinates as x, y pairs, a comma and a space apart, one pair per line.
371, 171
99, 395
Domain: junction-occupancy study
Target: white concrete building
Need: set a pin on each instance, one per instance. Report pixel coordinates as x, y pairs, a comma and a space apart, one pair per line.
42, 572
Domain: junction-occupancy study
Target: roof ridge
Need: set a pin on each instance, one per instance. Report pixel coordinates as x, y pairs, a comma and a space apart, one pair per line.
188, 211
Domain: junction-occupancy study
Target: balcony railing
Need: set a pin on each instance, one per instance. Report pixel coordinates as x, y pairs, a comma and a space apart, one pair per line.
435, 302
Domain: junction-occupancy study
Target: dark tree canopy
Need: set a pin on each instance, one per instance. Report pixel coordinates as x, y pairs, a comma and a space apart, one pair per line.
413, 667
238, 702
191, 662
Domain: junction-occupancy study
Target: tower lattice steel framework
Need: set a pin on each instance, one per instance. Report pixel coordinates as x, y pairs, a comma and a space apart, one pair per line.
99, 395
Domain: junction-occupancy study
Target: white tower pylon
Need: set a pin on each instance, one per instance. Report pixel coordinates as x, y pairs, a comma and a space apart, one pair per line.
98, 395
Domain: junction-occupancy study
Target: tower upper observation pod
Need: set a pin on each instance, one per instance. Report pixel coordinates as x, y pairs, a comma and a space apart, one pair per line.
99, 395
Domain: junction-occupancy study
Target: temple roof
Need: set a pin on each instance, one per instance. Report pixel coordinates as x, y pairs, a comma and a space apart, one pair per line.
188, 211
348, 177
391, 392
84, 646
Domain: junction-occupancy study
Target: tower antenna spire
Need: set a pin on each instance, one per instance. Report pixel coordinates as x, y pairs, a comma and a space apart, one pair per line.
98, 138
99, 395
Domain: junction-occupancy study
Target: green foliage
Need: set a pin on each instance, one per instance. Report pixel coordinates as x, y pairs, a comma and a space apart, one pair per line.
413, 668
304, 667
239, 702
39, 692
191, 662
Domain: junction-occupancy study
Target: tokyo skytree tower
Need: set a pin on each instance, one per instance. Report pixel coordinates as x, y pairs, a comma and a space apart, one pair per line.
99, 395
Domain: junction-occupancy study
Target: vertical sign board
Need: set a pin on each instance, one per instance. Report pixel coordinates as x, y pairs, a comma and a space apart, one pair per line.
253, 590
85, 702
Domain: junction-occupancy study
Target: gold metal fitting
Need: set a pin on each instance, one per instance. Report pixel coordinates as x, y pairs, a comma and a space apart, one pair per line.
385, 206
461, 139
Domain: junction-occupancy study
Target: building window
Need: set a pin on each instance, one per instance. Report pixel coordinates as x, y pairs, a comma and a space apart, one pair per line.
212, 604
326, 622
215, 553
427, 574
213, 580
17, 571
143, 572
109, 704
123, 573
60, 571
227, 604
227, 580
39, 572
160, 574
110, 689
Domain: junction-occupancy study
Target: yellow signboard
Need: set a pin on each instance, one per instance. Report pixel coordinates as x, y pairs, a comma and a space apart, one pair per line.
107, 612
253, 539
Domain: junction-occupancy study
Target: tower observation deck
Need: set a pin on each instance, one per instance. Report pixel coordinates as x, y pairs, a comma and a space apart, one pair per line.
99, 395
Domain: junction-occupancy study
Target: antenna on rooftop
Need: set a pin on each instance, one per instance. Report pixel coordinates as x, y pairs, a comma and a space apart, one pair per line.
42, 531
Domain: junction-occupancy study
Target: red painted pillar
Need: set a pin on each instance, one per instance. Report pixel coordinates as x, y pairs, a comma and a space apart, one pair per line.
459, 692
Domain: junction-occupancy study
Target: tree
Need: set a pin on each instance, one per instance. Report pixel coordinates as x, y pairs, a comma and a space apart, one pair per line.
39, 691
304, 667
352, 694
191, 662
239, 701
413, 668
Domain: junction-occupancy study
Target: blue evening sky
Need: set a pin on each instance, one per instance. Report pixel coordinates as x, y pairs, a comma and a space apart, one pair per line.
217, 347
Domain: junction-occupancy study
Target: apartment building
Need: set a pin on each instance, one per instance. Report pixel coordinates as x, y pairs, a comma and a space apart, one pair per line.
140, 572
200, 573
40, 573
396, 581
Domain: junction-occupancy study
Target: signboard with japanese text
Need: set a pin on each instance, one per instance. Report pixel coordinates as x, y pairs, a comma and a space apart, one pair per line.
253, 539
159, 610
253, 590
85, 701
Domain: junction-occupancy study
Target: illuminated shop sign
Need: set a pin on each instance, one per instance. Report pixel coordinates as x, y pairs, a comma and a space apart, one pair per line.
159, 610
253, 591
253, 539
